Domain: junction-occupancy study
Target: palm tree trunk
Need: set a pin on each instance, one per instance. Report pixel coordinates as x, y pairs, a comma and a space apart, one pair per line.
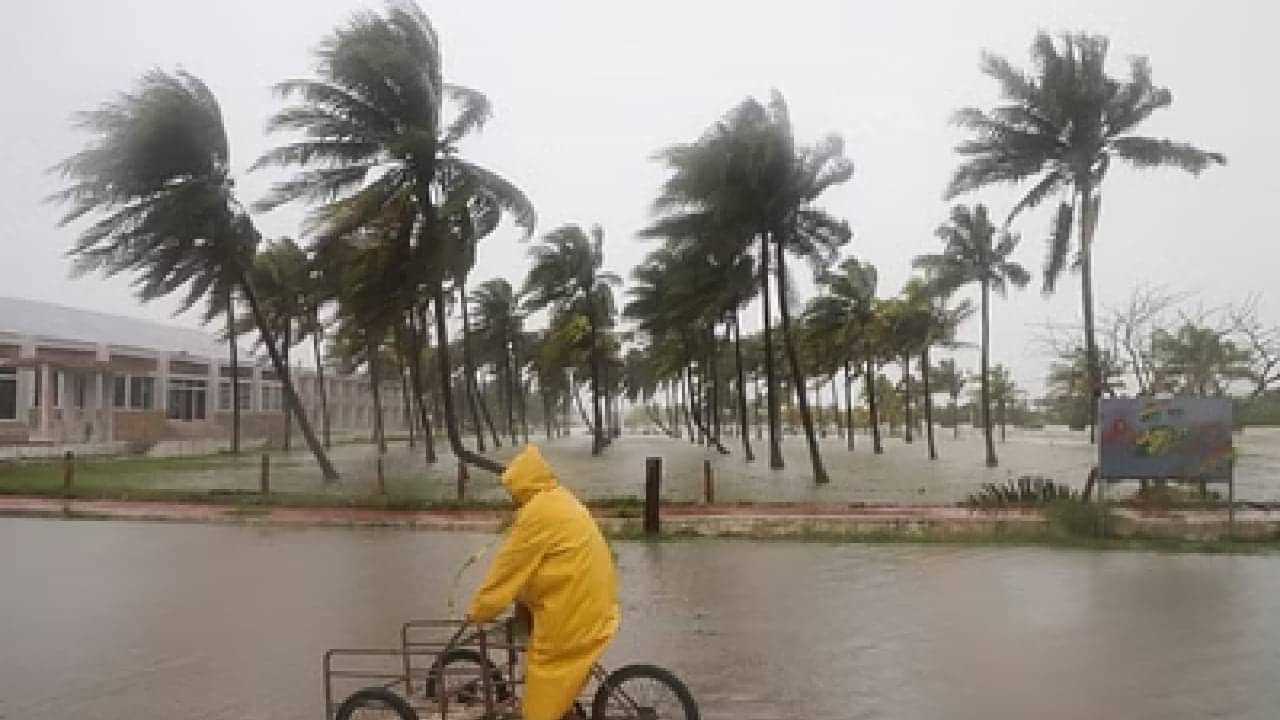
288, 412
1089, 207
375, 385
955, 421
755, 410
316, 332
468, 367
771, 380
603, 402
714, 368
406, 397
872, 411
547, 410
986, 374
481, 392
1003, 437
928, 402
235, 372
848, 406
282, 371
742, 390
597, 431
685, 391
815, 457
450, 414
835, 405
672, 411
817, 408
906, 397
418, 342
582, 411
695, 402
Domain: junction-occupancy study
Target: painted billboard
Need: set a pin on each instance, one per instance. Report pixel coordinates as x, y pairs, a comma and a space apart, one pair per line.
1179, 438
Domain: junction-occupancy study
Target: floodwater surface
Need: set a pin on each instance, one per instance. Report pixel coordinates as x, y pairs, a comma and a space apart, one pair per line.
120, 620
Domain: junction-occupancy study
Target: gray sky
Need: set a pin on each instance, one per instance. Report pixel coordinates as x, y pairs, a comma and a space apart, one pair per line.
585, 92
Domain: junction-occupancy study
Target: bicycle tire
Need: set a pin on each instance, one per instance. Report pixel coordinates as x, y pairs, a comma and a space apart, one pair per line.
616, 681
375, 697
501, 690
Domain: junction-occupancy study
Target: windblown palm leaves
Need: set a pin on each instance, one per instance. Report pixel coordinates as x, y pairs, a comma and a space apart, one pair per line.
1060, 126
156, 180
377, 149
567, 274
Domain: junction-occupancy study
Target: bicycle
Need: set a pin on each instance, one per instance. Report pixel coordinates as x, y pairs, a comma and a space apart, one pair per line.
474, 675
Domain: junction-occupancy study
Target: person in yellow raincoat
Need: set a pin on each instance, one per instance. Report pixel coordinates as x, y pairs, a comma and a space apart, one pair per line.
555, 562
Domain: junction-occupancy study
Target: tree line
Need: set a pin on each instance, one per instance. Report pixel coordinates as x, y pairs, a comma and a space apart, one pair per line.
396, 212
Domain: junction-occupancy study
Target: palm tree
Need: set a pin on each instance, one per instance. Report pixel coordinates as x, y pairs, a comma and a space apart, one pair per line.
374, 136
158, 178
499, 323
747, 176
931, 321
976, 252
1062, 125
280, 274
950, 380
568, 270
843, 313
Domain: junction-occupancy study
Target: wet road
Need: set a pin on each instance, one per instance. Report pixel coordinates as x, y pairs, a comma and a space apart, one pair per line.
121, 620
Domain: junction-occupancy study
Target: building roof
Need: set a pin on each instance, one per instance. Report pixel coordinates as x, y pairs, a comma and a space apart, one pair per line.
52, 322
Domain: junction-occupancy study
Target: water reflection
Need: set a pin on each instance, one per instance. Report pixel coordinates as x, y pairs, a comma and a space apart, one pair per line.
113, 620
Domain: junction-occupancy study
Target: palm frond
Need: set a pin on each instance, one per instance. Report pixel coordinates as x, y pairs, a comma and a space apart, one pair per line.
1145, 152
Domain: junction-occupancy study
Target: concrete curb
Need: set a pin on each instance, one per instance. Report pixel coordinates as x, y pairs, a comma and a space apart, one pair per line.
933, 523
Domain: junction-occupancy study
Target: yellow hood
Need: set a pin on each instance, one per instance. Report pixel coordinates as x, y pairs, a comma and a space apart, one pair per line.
527, 475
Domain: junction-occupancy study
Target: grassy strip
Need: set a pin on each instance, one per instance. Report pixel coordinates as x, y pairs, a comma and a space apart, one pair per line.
1011, 539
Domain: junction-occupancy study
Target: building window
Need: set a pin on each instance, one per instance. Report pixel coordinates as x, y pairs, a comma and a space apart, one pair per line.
272, 398
119, 391
186, 399
224, 395
8, 394
141, 393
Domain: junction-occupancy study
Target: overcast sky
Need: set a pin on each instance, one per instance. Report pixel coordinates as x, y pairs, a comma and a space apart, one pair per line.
585, 92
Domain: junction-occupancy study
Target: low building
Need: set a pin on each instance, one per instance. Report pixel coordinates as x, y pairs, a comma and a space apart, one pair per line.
70, 376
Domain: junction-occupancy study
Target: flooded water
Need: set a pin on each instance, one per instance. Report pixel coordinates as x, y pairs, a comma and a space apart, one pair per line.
120, 620
903, 474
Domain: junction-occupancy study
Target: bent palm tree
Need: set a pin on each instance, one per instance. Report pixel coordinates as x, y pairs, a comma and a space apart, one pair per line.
158, 178
975, 252
375, 136
1062, 125
567, 271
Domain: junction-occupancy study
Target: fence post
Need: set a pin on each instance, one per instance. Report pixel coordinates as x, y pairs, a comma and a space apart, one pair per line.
708, 483
652, 492
462, 481
68, 470
265, 481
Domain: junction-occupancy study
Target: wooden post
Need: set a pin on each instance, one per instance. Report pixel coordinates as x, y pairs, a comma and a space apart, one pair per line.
68, 471
265, 482
708, 483
462, 481
652, 492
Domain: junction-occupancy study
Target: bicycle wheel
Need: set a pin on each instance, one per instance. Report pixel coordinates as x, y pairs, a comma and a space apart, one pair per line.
643, 692
375, 703
463, 678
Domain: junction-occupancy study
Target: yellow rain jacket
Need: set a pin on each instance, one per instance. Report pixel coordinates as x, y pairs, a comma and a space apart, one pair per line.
556, 562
